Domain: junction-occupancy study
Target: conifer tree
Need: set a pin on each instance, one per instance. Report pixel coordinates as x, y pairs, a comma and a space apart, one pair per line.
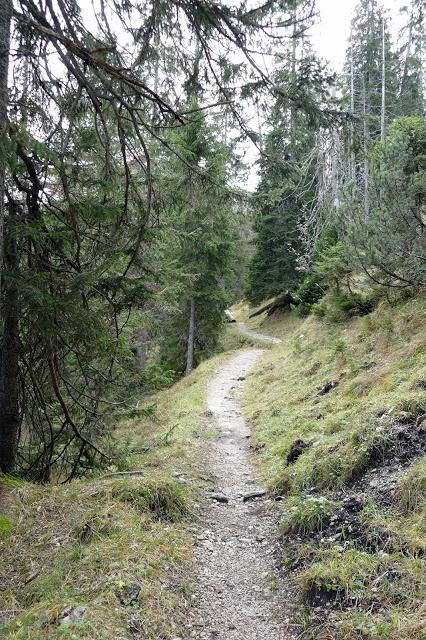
411, 88
199, 245
287, 184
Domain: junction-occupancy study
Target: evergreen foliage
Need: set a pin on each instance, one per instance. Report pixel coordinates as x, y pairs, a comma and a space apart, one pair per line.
287, 183
115, 207
199, 242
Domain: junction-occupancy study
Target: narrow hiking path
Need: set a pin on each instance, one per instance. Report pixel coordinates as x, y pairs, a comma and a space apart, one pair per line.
243, 328
237, 596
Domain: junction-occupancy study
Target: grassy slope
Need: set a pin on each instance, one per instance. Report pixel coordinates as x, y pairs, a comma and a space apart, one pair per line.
86, 542
374, 582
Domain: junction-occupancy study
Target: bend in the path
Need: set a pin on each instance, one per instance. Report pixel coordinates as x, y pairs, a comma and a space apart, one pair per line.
235, 597
243, 328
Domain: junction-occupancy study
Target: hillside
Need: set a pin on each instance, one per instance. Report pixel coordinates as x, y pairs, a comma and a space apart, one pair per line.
109, 557
337, 423
338, 441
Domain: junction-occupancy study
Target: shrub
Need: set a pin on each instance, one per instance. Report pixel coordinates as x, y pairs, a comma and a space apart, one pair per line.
319, 309
306, 515
311, 289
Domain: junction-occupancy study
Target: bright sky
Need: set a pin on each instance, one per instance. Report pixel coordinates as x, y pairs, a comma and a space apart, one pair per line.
331, 36
330, 39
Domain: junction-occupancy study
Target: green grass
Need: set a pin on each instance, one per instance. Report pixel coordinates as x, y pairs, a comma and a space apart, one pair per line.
412, 490
81, 544
374, 376
307, 514
375, 581
341, 574
6, 526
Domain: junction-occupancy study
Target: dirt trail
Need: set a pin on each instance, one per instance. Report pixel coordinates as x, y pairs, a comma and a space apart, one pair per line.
237, 596
243, 328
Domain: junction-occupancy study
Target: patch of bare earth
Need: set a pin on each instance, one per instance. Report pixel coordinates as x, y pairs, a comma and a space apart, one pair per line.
239, 594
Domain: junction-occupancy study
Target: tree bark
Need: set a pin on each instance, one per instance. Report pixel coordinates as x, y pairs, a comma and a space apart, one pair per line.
404, 73
352, 172
9, 374
5, 19
191, 329
280, 303
293, 74
140, 355
366, 137
383, 107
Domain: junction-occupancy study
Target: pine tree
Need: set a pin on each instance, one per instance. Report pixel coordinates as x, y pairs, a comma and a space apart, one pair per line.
9, 390
371, 67
287, 184
199, 246
411, 60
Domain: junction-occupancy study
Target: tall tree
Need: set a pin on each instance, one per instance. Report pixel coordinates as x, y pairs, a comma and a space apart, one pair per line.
287, 184
371, 69
411, 60
9, 404
371, 66
198, 246
5, 22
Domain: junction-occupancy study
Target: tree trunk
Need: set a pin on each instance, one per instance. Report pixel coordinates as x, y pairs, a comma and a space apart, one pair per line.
293, 74
191, 328
140, 355
352, 172
5, 18
383, 108
365, 151
9, 385
9, 373
404, 73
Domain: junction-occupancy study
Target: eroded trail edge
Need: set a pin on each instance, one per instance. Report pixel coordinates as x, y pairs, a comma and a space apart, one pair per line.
237, 593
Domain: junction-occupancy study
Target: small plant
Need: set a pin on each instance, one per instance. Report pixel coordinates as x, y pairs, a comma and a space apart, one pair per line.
310, 291
368, 323
385, 323
339, 346
306, 515
319, 309
411, 493
297, 345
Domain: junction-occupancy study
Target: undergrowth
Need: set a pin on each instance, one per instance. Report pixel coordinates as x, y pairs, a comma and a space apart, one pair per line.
118, 545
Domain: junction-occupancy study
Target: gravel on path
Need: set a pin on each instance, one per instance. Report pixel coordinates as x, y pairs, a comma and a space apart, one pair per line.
238, 594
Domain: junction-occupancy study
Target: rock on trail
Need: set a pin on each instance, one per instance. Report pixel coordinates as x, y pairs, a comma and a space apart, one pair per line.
236, 596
